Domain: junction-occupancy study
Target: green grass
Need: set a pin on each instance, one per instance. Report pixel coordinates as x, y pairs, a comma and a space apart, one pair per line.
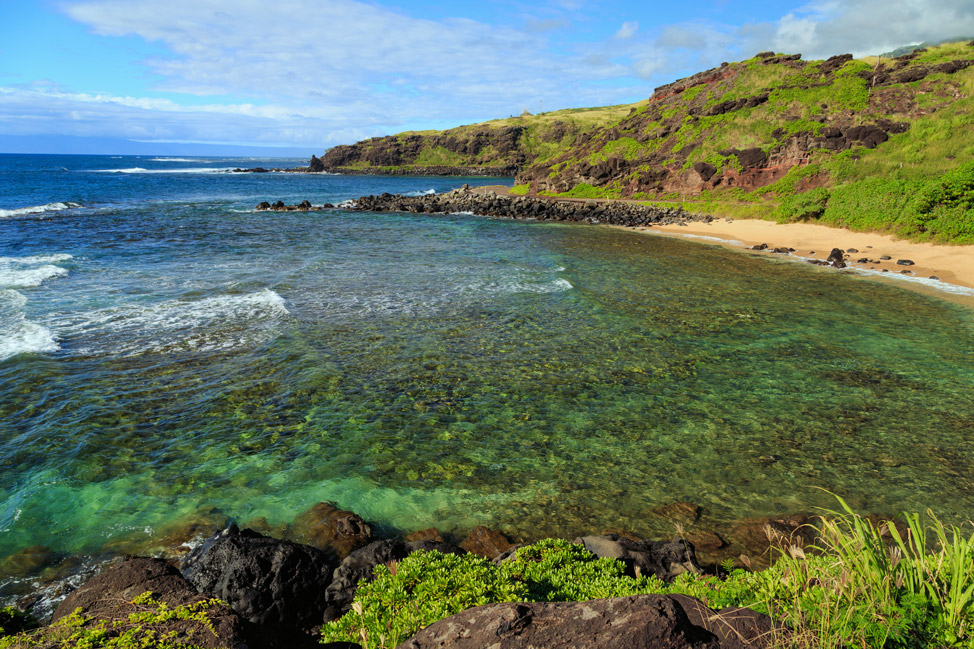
864, 584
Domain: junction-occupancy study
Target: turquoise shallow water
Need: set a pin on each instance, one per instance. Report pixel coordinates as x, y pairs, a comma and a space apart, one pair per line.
440, 370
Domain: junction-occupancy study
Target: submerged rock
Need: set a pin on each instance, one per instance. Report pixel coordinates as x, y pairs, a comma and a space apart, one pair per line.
331, 529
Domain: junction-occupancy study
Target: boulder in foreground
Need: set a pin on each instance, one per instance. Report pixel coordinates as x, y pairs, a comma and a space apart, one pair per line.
638, 622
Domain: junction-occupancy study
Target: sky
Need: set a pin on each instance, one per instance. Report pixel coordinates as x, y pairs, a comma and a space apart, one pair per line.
304, 75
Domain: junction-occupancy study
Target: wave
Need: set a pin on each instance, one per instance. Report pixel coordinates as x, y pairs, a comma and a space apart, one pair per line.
38, 209
29, 277
142, 170
176, 160
36, 259
211, 324
19, 335
428, 192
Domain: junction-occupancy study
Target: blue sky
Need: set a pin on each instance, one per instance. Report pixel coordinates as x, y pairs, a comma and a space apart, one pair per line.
308, 74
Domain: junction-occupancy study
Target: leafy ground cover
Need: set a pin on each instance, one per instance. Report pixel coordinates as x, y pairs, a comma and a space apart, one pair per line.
862, 585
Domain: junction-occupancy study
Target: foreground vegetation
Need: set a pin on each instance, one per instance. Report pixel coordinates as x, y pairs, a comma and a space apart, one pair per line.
903, 585
862, 585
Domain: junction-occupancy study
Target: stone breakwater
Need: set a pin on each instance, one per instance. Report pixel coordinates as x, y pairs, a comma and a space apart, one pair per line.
514, 207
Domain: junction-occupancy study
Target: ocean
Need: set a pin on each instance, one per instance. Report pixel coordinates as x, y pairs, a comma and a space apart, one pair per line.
169, 355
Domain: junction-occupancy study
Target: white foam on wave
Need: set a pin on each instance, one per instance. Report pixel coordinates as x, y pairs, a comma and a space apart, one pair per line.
194, 170
19, 335
142, 170
36, 259
209, 324
39, 209
29, 277
428, 192
176, 160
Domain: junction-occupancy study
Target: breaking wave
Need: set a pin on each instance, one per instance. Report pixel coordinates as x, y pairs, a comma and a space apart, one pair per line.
38, 209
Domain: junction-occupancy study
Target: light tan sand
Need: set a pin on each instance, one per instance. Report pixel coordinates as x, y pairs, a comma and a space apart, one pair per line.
951, 264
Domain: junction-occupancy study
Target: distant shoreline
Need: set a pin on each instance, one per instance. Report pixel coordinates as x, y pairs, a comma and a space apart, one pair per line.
951, 265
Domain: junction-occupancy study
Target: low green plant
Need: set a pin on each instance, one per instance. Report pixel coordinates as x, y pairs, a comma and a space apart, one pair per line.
520, 190
139, 631
423, 588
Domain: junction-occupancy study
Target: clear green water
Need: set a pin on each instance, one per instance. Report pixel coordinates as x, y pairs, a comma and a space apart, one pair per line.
450, 371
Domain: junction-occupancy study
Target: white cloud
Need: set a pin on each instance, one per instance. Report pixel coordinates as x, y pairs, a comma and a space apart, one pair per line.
317, 72
628, 30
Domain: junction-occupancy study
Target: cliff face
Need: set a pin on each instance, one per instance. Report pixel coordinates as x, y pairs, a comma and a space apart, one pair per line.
875, 144
492, 150
747, 125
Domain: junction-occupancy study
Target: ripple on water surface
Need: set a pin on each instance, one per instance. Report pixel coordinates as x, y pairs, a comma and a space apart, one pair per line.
448, 371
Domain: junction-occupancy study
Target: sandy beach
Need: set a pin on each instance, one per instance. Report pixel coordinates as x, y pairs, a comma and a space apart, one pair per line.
942, 270
951, 266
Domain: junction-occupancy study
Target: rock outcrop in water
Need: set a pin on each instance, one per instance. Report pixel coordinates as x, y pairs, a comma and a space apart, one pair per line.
465, 200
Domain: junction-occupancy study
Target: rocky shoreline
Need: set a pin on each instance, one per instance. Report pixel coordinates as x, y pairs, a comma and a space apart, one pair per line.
277, 592
465, 200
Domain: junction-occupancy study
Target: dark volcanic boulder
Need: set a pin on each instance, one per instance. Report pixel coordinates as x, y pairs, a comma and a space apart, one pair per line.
108, 596
665, 559
639, 622
705, 170
356, 567
316, 165
265, 580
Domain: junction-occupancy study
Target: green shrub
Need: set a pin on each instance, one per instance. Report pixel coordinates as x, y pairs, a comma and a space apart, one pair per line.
807, 206
556, 570
423, 588
521, 190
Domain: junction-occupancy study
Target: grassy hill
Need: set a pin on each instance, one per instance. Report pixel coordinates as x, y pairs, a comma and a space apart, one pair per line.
874, 144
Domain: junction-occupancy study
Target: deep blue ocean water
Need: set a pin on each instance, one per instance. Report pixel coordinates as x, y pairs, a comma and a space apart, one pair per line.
168, 353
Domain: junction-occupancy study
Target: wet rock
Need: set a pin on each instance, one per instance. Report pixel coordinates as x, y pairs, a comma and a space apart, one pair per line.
935, 277
267, 581
665, 559
638, 622
331, 529
836, 258
850, 250
486, 542
904, 262
760, 246
885, 257
108, 596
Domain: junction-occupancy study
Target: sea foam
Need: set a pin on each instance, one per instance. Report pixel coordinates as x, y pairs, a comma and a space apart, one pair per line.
141, 170
17, 334
210, 324
38, 209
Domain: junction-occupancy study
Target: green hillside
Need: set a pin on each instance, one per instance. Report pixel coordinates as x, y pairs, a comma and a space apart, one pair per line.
875, 144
